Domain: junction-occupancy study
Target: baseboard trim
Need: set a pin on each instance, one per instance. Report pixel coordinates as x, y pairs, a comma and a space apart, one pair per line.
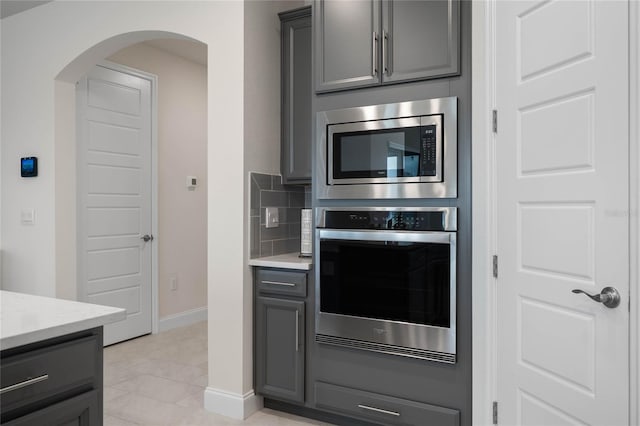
230, 404
182, 319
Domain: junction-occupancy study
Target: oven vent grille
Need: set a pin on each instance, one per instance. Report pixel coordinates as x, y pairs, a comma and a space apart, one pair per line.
387, 349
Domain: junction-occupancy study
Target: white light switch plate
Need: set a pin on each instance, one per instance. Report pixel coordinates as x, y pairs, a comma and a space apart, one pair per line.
272, 217
28, 216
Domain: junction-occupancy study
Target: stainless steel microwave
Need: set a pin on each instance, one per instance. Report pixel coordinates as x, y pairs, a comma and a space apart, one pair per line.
403, 150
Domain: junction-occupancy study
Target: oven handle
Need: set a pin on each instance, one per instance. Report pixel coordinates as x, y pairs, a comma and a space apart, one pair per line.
399, 236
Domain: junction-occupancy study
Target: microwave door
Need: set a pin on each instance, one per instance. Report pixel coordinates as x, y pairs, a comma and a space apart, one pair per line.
371, 152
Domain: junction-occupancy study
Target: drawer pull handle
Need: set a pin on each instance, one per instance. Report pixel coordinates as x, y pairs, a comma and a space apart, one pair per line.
278, 283
379, 410
24, 384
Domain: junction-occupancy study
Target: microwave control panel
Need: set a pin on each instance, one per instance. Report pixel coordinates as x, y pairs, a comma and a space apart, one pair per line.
428, 166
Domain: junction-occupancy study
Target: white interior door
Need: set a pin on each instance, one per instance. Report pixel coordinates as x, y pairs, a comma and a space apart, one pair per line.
563, 181
114, 198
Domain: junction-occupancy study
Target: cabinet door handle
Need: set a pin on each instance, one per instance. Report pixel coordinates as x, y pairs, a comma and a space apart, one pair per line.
374, 54
24, 384
278, 283
297, 329
379, 410
385, 52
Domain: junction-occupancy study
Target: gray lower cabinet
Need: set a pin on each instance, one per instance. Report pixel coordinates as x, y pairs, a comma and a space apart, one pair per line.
54, 382
383, 409
81, 410
296, 96
280, 333
368, 43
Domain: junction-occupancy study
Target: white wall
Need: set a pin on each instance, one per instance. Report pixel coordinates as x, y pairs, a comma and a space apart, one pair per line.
37, 47
65, 184
182, 152
262, 119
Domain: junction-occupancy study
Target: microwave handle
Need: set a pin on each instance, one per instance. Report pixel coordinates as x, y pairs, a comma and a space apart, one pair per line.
435, 237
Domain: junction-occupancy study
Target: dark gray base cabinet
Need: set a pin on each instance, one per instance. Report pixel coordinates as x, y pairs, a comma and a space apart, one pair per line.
381, 408
280, 348
295, 158
377, 42
280, 334
55, 382
82, 410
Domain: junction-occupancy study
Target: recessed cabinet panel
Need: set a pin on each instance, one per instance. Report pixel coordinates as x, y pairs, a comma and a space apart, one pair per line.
280, 348
347, 44
296, 96
421, 39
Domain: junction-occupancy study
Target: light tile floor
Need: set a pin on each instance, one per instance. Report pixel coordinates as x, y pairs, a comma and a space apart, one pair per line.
160, 380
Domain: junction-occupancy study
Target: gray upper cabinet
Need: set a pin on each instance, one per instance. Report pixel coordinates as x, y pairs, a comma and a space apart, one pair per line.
421, 39
347, 39
297, 35
370, 42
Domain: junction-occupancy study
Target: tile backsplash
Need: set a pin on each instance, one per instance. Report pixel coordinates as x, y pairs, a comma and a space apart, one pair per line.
268, 191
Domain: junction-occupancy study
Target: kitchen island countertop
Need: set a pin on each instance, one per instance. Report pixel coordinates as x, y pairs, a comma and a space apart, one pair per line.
25, 318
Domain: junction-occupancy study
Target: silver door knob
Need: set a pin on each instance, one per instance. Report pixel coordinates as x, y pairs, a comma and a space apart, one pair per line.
147, 238
609, 296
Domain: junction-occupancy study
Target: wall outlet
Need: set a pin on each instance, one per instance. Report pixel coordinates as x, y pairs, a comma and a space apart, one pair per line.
173, 282
272, 217
192, 182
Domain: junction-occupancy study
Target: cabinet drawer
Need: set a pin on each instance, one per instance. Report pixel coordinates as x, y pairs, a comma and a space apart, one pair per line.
82, 410
277, 281
49, 372
383, 409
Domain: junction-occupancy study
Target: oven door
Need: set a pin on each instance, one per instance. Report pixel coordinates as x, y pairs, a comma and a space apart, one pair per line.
388, 291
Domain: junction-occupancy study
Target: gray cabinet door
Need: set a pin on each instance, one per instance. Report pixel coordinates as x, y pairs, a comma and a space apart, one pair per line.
81, 410
296, 96
347, 44
420, 39
280, 337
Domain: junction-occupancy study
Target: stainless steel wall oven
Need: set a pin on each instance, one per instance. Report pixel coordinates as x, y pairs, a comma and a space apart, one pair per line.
403, 150
386, 280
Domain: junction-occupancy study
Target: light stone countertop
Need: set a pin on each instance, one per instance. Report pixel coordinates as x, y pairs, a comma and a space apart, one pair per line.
285, 261
25, 318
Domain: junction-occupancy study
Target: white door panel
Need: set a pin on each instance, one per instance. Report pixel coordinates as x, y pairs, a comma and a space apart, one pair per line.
114, 184
562, 191
113, 221
552, 35
112, 139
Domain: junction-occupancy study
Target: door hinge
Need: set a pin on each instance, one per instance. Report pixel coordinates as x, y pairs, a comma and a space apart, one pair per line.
495, 266
495, 412
495, 121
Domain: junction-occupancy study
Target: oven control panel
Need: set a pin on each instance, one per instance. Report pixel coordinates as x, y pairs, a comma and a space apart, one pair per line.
386, 220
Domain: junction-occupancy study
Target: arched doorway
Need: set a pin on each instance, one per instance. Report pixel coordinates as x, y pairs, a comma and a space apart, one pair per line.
45, 50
